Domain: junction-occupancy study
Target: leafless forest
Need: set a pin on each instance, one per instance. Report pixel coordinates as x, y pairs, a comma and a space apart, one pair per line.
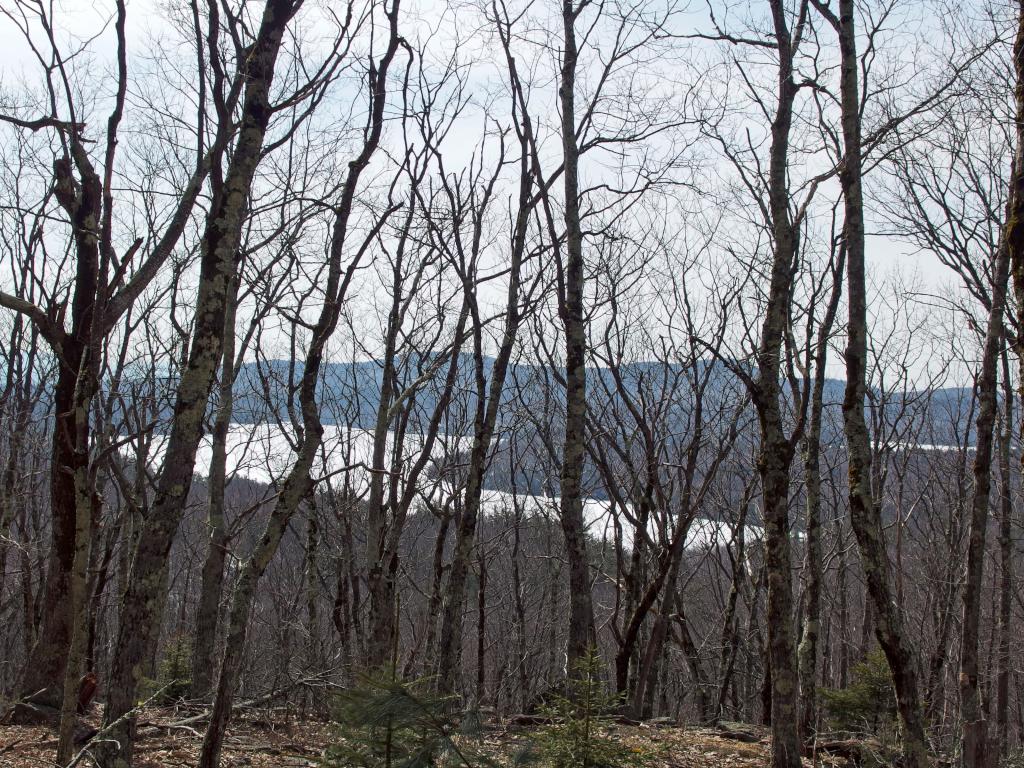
470, 340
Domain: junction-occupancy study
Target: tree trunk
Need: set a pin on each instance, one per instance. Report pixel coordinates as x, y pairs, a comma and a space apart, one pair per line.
1013, 235
1006, 575
865, 514
776, 450
487, 407
298, 484
143, 601
975, 738
436, 584
807, 650
581, 635
44, 672
693, 664
212, 584
481, 632
730, 632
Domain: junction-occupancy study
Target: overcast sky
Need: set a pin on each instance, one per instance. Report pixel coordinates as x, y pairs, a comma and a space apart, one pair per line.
81, 19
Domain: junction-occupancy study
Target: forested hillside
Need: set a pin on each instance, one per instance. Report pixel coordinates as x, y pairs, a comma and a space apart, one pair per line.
505, 382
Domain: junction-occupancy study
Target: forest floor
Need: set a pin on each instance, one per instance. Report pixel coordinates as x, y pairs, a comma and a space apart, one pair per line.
169, 739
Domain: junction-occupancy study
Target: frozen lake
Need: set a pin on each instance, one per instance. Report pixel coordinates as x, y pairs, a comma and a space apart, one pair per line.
264, 453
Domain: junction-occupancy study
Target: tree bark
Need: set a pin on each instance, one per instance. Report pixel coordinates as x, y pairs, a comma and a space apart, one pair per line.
865, 514
581, 636
975, 738
212, 579
1013, 235
776, 451
807, 650
143, 601
1006, 572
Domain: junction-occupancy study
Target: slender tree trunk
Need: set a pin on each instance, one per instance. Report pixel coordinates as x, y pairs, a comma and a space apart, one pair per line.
807, 650
975, 736
18, 396
212, 580
310, 573
481, 631
436, 585
298, 484
730, 632
844, 616
98, 587
488, 404
380, 640
581, 611
1006, 574
520, 620
865, 514
776, 451
693, 663
945, 618
665, 583
384, 536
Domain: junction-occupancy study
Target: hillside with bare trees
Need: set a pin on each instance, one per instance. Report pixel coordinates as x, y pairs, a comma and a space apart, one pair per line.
511, 382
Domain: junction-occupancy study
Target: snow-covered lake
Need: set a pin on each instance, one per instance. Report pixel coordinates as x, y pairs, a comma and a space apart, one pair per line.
264, 453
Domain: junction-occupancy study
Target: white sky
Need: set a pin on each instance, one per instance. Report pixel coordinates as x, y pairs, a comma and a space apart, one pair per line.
80, 19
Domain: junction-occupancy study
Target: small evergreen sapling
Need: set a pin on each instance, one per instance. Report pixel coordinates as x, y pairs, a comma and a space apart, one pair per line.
868, 704
389, 723
576, 738
174, 674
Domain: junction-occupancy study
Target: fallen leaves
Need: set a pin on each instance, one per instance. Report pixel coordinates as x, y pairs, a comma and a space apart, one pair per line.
282, 740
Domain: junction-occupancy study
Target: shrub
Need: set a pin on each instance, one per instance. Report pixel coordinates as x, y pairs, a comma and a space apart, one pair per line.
868, 704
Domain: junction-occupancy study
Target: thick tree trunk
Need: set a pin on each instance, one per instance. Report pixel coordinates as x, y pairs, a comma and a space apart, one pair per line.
60, 645
143, 601
1013, 242
44, 672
